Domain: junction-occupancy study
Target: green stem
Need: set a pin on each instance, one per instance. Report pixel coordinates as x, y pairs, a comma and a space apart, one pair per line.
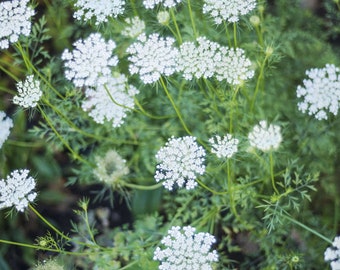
307, 228
24, 144
142, 111
232, 109
8, 91
49, 224
210, 189
259, 35
180, 211
133, 5
75, 128
141, 187
231, 193
175, 107
9, 73
89, 227
173, 17
150, 115
336, 215
43, 248
227, 33
228, 191
271, 161
30, 66
65, 143
192, 19
59, 232
259, 80
128, 265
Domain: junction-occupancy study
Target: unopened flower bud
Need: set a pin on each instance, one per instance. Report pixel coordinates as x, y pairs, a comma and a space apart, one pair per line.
255, 20
269, 51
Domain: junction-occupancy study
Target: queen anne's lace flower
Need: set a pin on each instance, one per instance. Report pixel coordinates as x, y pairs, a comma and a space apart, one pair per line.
332, 254
210, 59
89, 63
29, 92
265, 137
321, 92
186, 250
6, 124
135, 27
100, 9
228, 10
167, 3
17, 190
224, 147
181, 159
198, 61
111, 167
110, 101
152, 57
232, 65
15, 19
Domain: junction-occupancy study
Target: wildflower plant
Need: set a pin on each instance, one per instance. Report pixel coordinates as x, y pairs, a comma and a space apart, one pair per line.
29, 92
89, 63
332, 254
100, 10
17, 190
180, 161
193, 134
321, 92
185, 249
15, 20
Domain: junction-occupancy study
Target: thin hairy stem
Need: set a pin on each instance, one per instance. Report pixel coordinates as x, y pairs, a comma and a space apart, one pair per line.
64, 142
175, 107
233, 105
271, 165
227, 33
49, 224
173, 17
259, 81
287, 216
192, 19
141, 187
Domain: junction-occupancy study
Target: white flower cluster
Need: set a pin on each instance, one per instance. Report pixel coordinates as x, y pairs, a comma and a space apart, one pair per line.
211, 59
224, 147
181, 159
264, 137
149, 4
15, 19
29, 92
198, 61
6, 124
332, 254
111, 167
228, 10
135, 27
321, 92
153, 56
110, 101
186, 250
17, 190
100, 9
233, 66
89, 63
